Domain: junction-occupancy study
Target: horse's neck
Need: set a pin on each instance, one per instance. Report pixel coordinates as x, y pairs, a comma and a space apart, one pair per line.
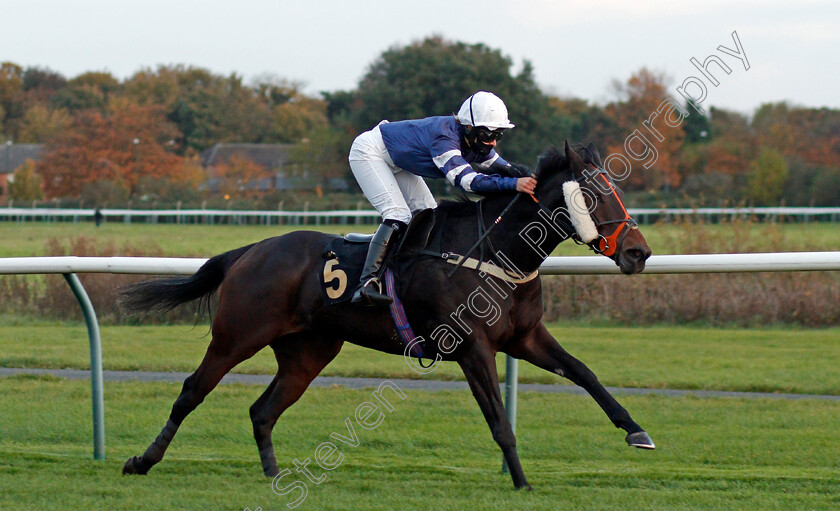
507, 244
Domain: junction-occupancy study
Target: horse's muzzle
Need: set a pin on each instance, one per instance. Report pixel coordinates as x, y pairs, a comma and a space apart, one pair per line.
632, 259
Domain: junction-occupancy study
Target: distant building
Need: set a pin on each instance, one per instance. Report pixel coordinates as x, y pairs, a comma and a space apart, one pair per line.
12, 156
276, 158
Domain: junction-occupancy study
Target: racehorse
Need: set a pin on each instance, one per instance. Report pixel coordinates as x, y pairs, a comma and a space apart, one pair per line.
270, 295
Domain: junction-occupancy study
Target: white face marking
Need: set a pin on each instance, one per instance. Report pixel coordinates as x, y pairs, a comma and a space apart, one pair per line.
578, 212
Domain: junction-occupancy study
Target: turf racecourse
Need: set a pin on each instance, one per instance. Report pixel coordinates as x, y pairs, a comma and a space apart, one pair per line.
432, 452
781, 360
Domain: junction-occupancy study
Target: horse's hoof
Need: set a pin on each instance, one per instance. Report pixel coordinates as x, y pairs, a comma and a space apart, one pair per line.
134, 466
640, 439
526, 487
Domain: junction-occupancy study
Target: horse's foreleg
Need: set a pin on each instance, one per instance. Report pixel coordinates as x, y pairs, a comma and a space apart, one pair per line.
541, 349
299, 360
479, 367
218, 360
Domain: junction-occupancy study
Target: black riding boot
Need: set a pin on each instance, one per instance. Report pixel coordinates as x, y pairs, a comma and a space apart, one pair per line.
370, 291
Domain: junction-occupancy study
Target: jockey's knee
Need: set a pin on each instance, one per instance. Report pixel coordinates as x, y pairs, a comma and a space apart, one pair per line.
400, 214
422, 203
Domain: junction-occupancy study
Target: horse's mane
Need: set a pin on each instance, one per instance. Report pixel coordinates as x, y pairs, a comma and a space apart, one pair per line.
555, 158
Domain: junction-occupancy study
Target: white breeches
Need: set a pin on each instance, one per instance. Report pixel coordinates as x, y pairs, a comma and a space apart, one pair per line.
394, 192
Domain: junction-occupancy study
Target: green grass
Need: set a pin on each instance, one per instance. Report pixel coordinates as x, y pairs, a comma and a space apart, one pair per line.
28, 239
434, 451
763, 360
741, 236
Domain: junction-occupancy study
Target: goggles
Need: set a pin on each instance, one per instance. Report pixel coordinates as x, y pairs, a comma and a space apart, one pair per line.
486, 135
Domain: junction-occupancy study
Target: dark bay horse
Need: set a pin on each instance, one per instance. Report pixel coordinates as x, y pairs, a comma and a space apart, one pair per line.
269, 295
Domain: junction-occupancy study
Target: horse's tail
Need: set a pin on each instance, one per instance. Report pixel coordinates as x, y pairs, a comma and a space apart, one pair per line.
162, 295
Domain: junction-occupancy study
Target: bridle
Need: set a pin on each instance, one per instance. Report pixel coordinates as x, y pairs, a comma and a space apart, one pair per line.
608, 245
604, 245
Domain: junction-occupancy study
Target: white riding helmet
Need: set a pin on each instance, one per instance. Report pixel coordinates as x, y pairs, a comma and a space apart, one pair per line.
484, 109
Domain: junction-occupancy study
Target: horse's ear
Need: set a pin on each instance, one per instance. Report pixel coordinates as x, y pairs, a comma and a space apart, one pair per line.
575, 163
596, 156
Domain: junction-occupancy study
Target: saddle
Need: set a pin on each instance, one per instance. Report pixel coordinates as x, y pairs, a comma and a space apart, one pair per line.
344, 257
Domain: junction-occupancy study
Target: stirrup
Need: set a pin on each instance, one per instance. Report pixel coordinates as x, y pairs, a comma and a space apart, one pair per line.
373, 297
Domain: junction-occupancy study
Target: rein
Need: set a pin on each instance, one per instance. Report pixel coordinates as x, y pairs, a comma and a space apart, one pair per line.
485, 234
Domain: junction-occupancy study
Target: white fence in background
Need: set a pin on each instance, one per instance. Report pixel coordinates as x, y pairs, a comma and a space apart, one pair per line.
356, 216
191, 216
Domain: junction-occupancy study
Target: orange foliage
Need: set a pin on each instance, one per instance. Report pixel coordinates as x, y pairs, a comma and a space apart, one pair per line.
726, 159
811, 134
123, 145
652, 126
240, 173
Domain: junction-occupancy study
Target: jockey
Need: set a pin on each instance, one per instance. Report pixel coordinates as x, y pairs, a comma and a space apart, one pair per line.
391, 160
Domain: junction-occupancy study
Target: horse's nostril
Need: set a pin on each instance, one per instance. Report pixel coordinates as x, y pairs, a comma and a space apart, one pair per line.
636, 255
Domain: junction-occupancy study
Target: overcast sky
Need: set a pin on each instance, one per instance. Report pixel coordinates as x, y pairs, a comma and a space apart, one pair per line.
577, 47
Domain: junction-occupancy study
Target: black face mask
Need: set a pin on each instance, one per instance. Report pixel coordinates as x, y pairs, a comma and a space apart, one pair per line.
471, 141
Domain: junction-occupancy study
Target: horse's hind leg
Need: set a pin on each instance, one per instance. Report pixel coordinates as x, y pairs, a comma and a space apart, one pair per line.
223, 353
300, 358
542, 350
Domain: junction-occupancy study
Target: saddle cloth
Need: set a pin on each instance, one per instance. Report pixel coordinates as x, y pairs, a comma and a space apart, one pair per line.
345, 257
341, 271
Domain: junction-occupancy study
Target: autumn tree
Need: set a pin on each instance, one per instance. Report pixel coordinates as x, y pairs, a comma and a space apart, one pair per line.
122, 145
298, 119
733, 145
11, 104
812, 134
158, 87
650, 121
323, 154
41, 84
91, 123
190, 175
20, 92
766, 178
582, 122
41, 124
241, 175
88, 91
210, 109
25, 183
